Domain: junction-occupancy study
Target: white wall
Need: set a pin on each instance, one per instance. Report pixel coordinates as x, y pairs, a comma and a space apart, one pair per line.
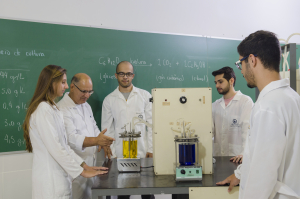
15, 176
217, 18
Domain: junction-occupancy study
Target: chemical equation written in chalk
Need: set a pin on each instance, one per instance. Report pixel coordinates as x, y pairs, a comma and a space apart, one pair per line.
108, 61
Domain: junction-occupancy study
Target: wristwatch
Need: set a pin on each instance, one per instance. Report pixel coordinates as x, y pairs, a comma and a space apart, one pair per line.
82, 164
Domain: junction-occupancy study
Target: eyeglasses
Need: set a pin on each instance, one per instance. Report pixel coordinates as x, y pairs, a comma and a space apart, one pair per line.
85, 91
121, 74
239, 62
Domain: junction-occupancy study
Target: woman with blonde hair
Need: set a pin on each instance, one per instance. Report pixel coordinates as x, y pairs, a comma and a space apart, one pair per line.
55, 164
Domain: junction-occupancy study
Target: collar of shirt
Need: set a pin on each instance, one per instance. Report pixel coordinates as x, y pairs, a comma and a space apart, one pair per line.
69, 102
272, 86
120, 95
237, 97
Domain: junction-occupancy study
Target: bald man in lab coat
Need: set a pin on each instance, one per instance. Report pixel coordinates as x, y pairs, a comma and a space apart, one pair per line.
83, 133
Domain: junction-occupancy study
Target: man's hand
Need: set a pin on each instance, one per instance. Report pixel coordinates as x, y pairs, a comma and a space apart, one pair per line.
107, 151
237, 159
103, 140
231, 180
149, 155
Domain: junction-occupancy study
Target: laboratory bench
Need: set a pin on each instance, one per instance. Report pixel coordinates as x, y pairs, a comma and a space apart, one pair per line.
146, 182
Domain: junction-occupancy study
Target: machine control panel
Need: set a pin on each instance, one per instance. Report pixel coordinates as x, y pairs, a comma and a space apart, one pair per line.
188, 173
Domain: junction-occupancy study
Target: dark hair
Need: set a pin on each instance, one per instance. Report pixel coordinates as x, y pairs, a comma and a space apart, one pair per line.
228, 73
265, 45
122, 62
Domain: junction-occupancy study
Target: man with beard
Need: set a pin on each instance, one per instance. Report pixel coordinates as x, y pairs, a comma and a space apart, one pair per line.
272, 152
231, 116
118, 109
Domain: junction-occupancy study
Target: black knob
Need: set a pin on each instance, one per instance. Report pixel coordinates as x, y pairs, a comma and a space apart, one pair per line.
182, 171
183, 100
151, 99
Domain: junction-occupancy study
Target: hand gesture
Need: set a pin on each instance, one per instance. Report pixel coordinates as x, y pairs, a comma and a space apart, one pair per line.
107, 151
103, 140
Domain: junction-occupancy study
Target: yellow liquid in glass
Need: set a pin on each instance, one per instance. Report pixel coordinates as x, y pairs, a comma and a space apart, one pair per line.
133, 149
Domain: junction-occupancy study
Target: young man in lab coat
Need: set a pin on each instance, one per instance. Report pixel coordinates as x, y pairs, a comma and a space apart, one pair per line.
271, 162
83, 133
120, 106
231, 115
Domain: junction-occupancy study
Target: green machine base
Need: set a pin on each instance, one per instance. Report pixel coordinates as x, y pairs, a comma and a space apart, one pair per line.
188, 173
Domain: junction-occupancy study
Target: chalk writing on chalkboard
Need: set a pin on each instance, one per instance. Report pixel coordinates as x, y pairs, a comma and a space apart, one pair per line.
105, 76
19, 53
13, 103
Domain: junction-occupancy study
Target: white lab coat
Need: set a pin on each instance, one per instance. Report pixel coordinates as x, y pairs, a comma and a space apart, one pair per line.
116, 112
78, 126
55, 164
271, 160
230, 124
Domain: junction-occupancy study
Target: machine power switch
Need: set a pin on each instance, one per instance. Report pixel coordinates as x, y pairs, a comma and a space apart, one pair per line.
151, 99
183, 100
182, 171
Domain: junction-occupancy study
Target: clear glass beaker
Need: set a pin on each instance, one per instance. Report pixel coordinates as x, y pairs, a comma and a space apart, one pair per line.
187, 154
129, 146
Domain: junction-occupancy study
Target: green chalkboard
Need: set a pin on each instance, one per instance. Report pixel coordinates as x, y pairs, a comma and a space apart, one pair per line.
160, 60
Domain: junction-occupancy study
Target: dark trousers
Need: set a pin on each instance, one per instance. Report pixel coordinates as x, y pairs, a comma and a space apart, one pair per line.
143, 197
180, 196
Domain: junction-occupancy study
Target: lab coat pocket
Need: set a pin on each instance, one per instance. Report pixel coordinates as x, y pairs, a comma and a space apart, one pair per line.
140, 114
62, 183
235, 141
234, 135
